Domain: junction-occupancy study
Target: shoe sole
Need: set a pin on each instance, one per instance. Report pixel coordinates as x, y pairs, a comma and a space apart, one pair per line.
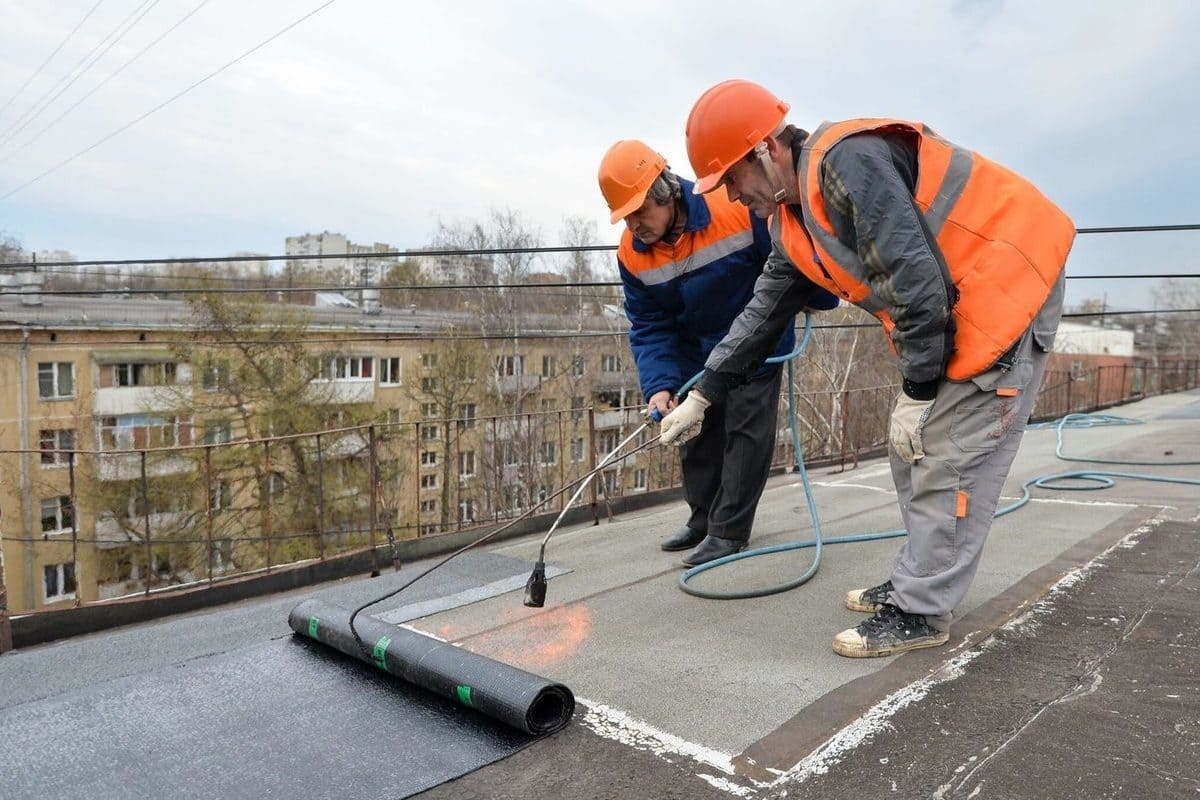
866, 608
855, 652
666, 549
690, 565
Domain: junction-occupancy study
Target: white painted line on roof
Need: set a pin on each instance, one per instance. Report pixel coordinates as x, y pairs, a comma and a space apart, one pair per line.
619, 726
1063, 502
882, 489
876, 719
868, 472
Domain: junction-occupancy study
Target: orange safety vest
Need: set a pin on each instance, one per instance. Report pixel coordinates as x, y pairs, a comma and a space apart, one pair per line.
1004, 242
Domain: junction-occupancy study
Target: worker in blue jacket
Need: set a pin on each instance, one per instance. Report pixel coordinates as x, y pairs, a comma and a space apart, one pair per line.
688, 264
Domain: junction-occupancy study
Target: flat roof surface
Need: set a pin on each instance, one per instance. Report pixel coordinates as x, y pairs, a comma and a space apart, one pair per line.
1075, 654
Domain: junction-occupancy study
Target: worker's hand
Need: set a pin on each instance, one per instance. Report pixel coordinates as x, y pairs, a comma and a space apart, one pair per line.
684, 422
908, 421
663, 402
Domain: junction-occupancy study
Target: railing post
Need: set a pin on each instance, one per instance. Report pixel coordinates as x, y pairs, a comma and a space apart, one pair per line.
562, 461
320, 492
417, 451
594, 462
6, 641
267, 506
146, 520
208, 513
74, 523
373, 476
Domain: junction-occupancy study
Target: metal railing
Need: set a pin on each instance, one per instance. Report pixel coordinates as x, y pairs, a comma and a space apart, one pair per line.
196, 515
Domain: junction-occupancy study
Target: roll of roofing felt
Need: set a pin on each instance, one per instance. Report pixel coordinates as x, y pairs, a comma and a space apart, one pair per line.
513, 696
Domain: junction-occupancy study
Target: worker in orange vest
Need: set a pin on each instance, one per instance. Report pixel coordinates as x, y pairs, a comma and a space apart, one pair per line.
960, 259
688, 265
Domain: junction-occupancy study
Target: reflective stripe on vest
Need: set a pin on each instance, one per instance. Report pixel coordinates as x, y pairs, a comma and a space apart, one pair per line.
1004, 242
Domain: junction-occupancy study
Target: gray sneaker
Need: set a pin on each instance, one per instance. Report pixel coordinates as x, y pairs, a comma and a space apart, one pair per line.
868, 600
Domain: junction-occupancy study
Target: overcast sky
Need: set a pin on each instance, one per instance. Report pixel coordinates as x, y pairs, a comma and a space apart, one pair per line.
378, 118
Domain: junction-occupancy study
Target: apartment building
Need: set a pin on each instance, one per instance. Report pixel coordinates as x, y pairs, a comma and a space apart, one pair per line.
140, 449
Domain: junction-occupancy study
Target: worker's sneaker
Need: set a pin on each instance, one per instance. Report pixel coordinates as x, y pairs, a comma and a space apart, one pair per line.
888, 632
868, 600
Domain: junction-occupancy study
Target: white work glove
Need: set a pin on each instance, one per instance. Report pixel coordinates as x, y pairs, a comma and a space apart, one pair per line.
908, 421
684, 422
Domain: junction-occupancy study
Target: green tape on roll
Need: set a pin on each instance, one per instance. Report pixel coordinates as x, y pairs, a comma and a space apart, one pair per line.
466, 695
380, 652
313, 622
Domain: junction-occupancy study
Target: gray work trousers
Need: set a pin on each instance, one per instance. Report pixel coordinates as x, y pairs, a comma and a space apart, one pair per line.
948, 498
726, 465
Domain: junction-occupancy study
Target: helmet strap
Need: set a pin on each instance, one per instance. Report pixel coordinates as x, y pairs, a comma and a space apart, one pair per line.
764, 157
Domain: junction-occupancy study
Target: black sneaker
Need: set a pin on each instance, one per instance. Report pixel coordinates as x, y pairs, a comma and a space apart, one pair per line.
868, 600
889, 632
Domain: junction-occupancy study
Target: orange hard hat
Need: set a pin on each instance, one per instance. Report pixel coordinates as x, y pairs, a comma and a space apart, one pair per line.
725, 124
626, 173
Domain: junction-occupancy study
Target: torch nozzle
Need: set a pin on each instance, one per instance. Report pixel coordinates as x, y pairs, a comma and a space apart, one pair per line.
535, 587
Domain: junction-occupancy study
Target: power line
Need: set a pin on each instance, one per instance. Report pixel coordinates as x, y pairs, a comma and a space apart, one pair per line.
50, 57
437, 252
398, 337
167, 102
100, 85
66, 83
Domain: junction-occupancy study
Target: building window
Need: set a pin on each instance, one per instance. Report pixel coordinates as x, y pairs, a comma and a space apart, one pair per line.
429, 481
609, 441
52, 443
466, 416
429, 410
221, 555
137, 431
57, 514
466, 510
610, 363
548, 405
56, 380
220, 496
549, 453
509, 366
578, 366
429, 360
466, 464
578, 407
510, 455
577, 449
612, 486
430, 433
59, 581
429, 458
429, 384
639, 479
429, 530
160, 374
342, 368
429, 506
276, 486
389, 371
216, 375
391, 423
218, 433
549, 366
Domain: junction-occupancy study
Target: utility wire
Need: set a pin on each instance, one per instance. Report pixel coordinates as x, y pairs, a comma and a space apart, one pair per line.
429, 335
50, 57
431, 252
167, 102
66, 83
100, 85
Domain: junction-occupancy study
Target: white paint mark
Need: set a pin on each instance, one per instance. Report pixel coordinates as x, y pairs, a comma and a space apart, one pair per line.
839, 485
617, 725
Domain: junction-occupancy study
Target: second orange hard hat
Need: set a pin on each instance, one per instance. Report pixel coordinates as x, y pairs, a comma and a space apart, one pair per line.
626, 173
725, 124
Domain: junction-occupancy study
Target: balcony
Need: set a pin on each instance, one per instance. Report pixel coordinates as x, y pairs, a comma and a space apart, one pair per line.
629, 418
128, 466
341, 392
